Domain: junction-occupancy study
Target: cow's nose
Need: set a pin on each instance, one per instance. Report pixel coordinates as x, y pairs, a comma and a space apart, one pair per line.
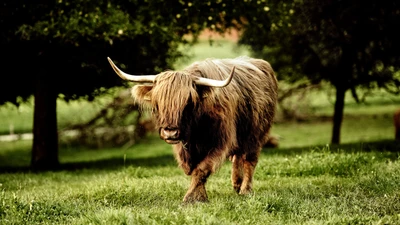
170, 133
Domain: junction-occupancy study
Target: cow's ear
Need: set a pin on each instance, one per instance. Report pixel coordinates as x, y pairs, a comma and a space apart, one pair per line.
205, 92
141, 93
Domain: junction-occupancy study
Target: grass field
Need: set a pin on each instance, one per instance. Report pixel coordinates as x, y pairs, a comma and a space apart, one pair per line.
304, 181
351, 184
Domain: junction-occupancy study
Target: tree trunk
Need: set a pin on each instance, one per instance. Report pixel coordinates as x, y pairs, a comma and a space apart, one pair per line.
45, 136
338, 114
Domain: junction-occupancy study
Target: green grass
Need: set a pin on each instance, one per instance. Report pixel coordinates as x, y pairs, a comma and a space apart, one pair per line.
17, 120
355, 129
350, 184
68, 113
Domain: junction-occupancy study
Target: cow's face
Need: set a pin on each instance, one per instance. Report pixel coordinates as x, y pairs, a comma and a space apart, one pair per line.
173, 99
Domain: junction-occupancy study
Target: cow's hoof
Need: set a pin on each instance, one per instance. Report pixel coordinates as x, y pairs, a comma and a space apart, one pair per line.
245, 191
236, 187
194, 197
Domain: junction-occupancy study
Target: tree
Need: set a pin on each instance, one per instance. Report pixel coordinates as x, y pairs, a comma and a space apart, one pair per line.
59, 48
347, 43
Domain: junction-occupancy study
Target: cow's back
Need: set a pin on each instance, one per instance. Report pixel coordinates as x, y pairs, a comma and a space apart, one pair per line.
257, 107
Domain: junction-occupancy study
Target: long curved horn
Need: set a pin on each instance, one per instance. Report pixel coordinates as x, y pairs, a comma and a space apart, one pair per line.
215, 83
134, 78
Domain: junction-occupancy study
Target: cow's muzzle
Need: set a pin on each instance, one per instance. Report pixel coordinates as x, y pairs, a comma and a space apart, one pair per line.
170, 135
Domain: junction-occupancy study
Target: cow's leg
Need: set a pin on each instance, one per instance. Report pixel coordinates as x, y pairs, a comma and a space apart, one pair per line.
249, 164
237, 172
197, 190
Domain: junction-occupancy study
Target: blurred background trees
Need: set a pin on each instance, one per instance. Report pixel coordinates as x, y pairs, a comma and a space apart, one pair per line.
351, 44
58, 49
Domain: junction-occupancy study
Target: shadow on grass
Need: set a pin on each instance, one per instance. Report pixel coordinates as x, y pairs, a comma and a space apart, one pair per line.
372, 146
115, 163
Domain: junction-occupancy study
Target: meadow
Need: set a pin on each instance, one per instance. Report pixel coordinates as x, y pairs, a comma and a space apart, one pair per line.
303, 181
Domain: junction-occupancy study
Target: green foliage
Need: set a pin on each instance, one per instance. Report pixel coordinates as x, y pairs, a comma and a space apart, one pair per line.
72, 20
69, 40
347, 43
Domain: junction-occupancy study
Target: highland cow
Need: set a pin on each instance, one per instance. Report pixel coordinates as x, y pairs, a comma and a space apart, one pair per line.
210, 111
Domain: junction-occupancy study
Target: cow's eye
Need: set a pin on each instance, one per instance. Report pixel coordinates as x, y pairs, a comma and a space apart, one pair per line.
155, 109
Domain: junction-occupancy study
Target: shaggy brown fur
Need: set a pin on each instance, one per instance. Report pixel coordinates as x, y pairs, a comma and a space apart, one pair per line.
396, 122
214, 123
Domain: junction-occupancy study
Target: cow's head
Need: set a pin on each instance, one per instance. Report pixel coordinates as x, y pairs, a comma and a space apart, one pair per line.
173, 97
